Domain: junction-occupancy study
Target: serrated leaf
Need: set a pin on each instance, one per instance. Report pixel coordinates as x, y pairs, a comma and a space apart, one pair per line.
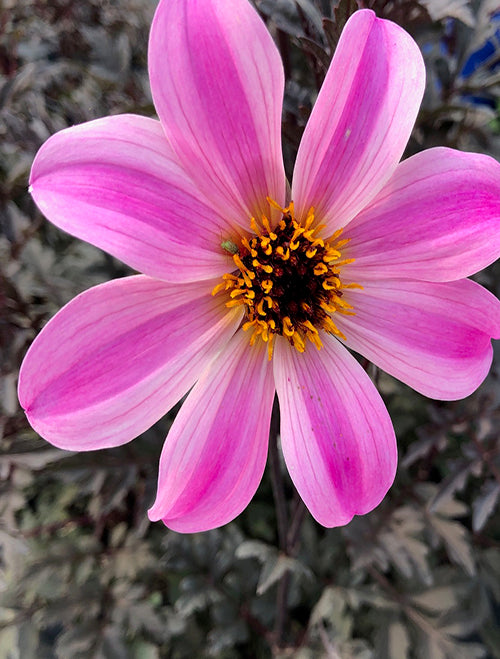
312, 14
317, 51
402, 544
454, 537
274, 569
484, 504
460, 9
455, 482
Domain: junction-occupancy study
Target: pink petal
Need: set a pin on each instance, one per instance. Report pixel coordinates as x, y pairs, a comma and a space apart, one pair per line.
116, 183
117, 358
217, 82
215, 453
361, 122
336, 435
435, 337
437, 219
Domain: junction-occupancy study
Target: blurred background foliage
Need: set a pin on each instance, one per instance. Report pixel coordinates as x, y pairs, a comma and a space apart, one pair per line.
83, 574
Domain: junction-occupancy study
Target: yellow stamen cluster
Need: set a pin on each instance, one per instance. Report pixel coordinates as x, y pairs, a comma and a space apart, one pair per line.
287, 279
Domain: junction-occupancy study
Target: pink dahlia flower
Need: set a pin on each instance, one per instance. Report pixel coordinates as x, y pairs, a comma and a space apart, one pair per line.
249, 290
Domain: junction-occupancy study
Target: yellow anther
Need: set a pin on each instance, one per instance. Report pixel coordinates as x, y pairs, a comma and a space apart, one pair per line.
314, 338
329, 308
330, 326
270, 346
254, 227
328, 286
288, 328
310, 326
320, 269
267, 284
235, 303
284, 255
268, 301
294, 245
247, 280
245, 242
341, 243
267, 227
344, 262
298, 342
260, 308
275, 204
306, 307
341, 303
334, 236
352, 285
239, 263
237, 291
312, 335
311, 252
309, 218
218, 288
330, 256
268, 251
267, 268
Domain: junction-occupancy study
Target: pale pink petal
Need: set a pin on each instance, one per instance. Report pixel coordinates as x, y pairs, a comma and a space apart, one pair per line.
217, 83
361, 122
436, 219
215, 453
435, 337
118, 357
336, 435
115, 183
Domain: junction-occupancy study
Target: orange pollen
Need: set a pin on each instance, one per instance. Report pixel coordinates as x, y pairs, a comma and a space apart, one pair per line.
287, 279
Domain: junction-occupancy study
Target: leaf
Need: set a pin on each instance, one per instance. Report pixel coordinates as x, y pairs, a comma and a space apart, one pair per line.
312, 14
455, 482
402, 544
274, 569
392, 641
331, 613
484, 504
460, 9
254, 549
455, 538
317, 51
422, 448
436, 600
144, 650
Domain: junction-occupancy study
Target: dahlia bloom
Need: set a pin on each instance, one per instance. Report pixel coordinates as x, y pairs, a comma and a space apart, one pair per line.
251, 287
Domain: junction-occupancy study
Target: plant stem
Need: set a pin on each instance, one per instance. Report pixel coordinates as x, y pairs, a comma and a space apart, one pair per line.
277, 478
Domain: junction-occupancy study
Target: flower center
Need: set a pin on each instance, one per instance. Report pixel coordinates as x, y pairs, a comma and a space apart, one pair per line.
288, 280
